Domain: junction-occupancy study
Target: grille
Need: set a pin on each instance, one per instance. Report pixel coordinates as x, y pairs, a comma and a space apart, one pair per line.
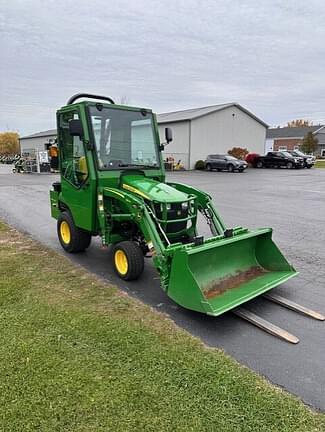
175, 212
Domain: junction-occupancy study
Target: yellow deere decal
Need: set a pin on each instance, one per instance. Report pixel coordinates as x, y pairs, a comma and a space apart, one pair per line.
134, 190
116, 192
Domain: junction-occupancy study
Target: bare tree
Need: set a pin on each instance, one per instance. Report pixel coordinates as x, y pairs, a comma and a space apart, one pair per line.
299, 123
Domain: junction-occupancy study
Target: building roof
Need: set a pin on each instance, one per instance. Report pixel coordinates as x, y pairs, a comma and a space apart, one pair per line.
291, 132
172, 117
47, 133
194, 113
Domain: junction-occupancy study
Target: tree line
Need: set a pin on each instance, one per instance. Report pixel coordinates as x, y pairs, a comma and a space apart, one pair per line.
9, 143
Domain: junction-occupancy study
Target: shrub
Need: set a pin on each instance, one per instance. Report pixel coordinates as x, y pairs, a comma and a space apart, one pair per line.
9, 143
238, 152
199, 165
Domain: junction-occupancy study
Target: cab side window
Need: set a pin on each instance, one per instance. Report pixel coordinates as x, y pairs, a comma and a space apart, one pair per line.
73, 162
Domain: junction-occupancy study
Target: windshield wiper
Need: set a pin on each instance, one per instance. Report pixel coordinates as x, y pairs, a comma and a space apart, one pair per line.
137, 166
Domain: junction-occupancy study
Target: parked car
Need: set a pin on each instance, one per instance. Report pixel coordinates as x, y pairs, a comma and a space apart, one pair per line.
225, 162
309, 160
278, 159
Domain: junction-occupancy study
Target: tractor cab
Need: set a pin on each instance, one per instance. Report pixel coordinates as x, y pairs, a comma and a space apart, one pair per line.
100, 143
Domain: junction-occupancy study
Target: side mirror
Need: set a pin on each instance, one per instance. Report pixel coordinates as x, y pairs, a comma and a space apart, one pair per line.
168, 135
75, 128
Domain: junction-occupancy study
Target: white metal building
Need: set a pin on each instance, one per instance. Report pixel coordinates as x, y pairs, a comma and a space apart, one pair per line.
211, 130
197, 133
37, 141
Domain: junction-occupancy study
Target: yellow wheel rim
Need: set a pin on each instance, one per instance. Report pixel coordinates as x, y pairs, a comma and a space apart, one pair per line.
65, 232
121, 262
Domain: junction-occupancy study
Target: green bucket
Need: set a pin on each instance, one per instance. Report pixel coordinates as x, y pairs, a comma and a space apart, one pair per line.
223, 273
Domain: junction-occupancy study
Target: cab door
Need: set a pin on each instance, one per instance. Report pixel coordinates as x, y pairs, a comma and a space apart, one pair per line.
271, 160
76, 190
214, 161
222, 162
217, 162
280, 159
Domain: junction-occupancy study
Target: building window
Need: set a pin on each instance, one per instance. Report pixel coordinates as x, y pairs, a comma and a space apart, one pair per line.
283, 148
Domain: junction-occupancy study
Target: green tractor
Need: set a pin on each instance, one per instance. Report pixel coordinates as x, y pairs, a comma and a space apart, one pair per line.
113, 185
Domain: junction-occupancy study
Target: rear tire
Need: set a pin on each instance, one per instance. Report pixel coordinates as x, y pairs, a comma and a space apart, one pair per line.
230, 168
128, 260
259, 164
72, 238
209, 167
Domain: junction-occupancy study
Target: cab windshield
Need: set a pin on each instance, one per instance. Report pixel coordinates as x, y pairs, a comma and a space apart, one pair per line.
299, 153
123, 138
287, 154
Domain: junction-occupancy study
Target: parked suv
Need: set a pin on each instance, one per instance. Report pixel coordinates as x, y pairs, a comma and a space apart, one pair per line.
309, 160
278, 159
225, 162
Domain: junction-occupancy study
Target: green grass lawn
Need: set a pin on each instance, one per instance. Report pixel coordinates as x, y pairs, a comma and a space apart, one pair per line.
78, 355
320, 163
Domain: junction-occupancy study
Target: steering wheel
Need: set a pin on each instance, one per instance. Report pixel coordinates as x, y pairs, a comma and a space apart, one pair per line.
68, 171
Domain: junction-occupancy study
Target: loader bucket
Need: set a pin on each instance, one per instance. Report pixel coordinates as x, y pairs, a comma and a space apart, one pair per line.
221, 274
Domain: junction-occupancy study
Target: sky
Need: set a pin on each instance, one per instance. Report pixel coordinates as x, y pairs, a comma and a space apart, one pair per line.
269, 56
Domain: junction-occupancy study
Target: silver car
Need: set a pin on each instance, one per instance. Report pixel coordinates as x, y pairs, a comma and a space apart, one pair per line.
224, 163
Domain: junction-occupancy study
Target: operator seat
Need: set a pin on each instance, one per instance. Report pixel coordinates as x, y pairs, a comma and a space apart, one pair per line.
82, 168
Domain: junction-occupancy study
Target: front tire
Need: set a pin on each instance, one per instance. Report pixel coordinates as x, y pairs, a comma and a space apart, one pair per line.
128, 260
259, 164
209, 167
72, 238
289, 165
230, 168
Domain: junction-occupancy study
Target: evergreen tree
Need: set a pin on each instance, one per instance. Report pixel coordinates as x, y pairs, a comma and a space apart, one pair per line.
309, 143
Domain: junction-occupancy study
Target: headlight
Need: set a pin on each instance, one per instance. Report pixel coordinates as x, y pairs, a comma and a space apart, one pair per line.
168, 206
184, 205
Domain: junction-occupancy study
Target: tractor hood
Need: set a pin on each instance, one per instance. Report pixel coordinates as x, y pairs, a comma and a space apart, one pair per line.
151, 189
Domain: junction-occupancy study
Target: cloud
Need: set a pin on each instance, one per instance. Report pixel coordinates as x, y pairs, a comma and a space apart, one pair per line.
168, 55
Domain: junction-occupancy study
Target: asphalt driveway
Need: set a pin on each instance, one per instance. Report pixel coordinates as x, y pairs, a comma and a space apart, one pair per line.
292, 202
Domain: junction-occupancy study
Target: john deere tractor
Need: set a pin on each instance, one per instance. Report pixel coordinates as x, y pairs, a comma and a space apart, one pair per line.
113, 185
